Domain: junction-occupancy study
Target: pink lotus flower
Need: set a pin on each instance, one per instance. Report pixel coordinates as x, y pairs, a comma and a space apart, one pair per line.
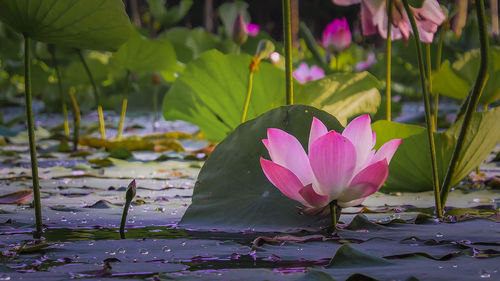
305, 74
342, 167
374, 16
337, 36
253, 29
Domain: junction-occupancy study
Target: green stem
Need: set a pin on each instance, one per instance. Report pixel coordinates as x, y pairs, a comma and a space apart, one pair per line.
247, 99
427, 106
438, 67
429, 81
96, 94
124, 105
311, 44
32, 140
388, 51
287, 31
76, 121
473, 101
333, 215
155, 105
61, 93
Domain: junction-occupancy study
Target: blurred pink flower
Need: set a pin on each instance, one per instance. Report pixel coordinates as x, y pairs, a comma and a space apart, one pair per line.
364, 65
374, 15
275, 57
305, 74
342, 167
253, 29
337, 36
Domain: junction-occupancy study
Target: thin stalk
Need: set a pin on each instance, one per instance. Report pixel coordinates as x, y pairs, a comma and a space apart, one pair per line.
333, 215
311, 44
287, 32
124, 105
428, 65
388, 48
428, 119
76, 121
155, 105
96, 94
129, 196
438, 67
31, 137
473, 101
61, 93
247, 100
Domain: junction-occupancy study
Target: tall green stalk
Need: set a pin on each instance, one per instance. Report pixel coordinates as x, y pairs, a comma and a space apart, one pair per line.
438, 67
428, 64
287, 35
428, 119
388, 49
102, 128
129, 196
473, 100
61, 92
76, 120
247, 99
124, 105
333, 215
31, 137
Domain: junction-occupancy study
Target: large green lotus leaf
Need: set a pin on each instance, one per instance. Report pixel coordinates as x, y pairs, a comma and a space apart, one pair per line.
141, 54
212, 89
84, 24
342, 95
410, 168
233, 192
190, 43
456, 80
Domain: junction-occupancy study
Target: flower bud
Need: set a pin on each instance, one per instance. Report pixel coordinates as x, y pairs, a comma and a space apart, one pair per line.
130, 192
264, 49
240, 33
337, 36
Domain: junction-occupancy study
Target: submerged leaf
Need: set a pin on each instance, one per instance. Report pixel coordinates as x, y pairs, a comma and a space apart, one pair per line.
16, 197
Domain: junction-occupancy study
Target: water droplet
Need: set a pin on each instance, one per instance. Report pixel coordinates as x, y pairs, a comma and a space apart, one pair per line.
4, 277
84, 221
143, 251
63, 219
455, 265
121, 250
439, 235
111, 253
131, 221
484, 274
166, 249
91, 243
183, 244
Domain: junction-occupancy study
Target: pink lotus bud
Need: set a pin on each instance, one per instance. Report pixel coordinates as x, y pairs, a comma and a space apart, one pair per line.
337, 36
240, 33
364, 65
253, 29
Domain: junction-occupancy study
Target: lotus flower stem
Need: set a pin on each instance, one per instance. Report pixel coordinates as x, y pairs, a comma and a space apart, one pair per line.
102, 128
128, 200
388, 62
61, 93
312, 45
438, 67
481, 79
31, 137
428, 119
249, 89
434, 110
124, 105
333, 214
287, 32
76, 120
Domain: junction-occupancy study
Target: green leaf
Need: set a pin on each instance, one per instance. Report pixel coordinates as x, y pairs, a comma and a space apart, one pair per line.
179, 36
410, 168
347, 257
120, 153
456, 80
343, 95
233, 192
83, 24
211, 93
171, 16
141, 54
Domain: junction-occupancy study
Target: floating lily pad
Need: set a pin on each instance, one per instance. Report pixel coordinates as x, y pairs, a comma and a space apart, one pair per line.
84, 24
233, 192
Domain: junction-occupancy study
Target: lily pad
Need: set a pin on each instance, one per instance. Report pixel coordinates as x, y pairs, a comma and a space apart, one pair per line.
457, 79
342, 95
84, 24
211, 93
410, 168
233, 192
